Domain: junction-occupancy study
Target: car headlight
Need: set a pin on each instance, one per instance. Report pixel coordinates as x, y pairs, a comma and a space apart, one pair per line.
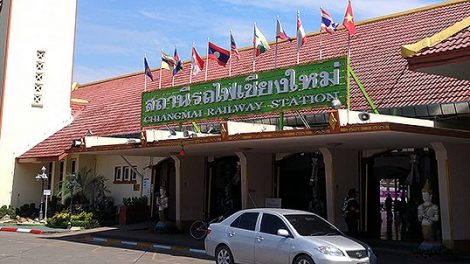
329, 250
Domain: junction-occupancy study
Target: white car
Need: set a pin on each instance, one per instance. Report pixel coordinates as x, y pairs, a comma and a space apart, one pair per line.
275, 236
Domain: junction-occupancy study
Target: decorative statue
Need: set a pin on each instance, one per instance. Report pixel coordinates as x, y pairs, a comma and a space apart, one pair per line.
162, 202
428, 213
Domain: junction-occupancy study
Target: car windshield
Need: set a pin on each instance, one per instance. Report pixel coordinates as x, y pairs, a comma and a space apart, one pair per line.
311, 225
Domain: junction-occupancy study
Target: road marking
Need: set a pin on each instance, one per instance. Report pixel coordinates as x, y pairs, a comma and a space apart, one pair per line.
129, 243
161, 246
96, 249
99, 239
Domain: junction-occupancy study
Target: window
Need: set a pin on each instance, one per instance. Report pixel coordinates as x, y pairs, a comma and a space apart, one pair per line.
73, 167
271, 223
61, 171
39, 66
133, 173
38, 87
40, 54
117, 174
311, 225
246, 221
37, 98
39, 79
125, 173
39, 76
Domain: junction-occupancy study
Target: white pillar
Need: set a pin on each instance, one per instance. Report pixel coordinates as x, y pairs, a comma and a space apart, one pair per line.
444, 193
244, 178
329, 185
177, 189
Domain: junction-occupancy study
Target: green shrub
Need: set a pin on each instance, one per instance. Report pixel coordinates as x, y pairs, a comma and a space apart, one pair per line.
61, 220
10, 210
27, 210
135, 201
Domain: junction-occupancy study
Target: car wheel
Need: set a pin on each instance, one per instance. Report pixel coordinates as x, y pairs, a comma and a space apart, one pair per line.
223, 255
304, 259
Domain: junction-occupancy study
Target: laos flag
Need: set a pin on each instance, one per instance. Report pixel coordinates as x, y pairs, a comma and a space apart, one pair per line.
219, 54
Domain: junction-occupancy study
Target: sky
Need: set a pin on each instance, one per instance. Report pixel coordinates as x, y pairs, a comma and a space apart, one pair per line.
114, 35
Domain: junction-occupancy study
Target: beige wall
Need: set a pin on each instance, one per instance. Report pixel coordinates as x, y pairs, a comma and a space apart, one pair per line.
105, 167
192, 189
460, 184
46, 25
260, 178
342, 174
25, 187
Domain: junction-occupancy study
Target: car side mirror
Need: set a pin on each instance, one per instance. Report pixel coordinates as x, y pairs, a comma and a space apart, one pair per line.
283, 232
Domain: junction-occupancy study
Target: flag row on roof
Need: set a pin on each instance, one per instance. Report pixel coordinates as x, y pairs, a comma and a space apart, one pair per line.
260, 45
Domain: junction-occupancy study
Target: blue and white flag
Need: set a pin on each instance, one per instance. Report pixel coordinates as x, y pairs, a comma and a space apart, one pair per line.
327, 23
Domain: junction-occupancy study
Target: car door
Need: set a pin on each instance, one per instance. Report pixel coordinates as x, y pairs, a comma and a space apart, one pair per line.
241, 237
270, 248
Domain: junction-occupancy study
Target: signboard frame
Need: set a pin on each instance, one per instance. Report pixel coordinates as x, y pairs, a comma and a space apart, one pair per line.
297, 87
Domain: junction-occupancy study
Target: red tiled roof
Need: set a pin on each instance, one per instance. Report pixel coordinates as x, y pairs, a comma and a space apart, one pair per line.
114, 105
458, 41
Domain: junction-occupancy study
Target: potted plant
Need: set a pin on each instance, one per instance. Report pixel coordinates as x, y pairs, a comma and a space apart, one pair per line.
134, 210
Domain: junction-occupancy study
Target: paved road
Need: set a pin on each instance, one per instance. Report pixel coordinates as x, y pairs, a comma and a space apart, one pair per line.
21, 248
26, 248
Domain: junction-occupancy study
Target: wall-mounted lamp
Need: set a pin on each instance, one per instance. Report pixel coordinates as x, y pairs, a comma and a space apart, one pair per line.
172, 131
77, 143
189, 134
336, 103
364, 116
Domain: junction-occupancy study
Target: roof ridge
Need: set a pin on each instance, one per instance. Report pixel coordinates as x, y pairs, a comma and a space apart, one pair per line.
359, 23
409, 50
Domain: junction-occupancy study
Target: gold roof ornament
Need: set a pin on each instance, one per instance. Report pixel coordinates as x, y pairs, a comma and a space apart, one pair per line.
427, 187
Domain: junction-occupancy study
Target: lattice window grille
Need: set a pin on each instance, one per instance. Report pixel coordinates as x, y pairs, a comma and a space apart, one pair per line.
40, 55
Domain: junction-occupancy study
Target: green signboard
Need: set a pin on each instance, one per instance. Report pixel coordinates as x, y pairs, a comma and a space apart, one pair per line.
304, 86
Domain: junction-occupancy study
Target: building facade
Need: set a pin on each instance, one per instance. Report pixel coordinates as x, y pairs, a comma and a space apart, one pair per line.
307, 159
36, 62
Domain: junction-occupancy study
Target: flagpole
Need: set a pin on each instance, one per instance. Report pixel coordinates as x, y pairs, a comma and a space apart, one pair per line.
191, 69
230, 62
254, 48
275, 55
321, 45
349, 46
207, 60
298, 28
145, 73
160, 81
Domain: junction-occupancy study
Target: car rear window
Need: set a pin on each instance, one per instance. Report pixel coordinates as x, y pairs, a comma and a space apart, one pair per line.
246, 221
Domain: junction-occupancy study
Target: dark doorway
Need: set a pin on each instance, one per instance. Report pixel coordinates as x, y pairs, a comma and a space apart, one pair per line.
302, 182
395, 180
164, 177
224, 181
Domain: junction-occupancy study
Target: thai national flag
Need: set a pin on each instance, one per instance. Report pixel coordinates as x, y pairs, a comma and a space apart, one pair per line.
327, 23
219, 54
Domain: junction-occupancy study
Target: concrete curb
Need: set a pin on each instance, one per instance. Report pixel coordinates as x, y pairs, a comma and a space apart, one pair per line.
143, 245
21, 230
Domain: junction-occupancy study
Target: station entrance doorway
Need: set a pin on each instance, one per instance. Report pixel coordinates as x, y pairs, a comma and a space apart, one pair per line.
395, 180
301, 182
224, 187
164, 180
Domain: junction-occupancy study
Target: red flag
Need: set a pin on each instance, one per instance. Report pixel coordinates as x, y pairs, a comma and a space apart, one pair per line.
348, 21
